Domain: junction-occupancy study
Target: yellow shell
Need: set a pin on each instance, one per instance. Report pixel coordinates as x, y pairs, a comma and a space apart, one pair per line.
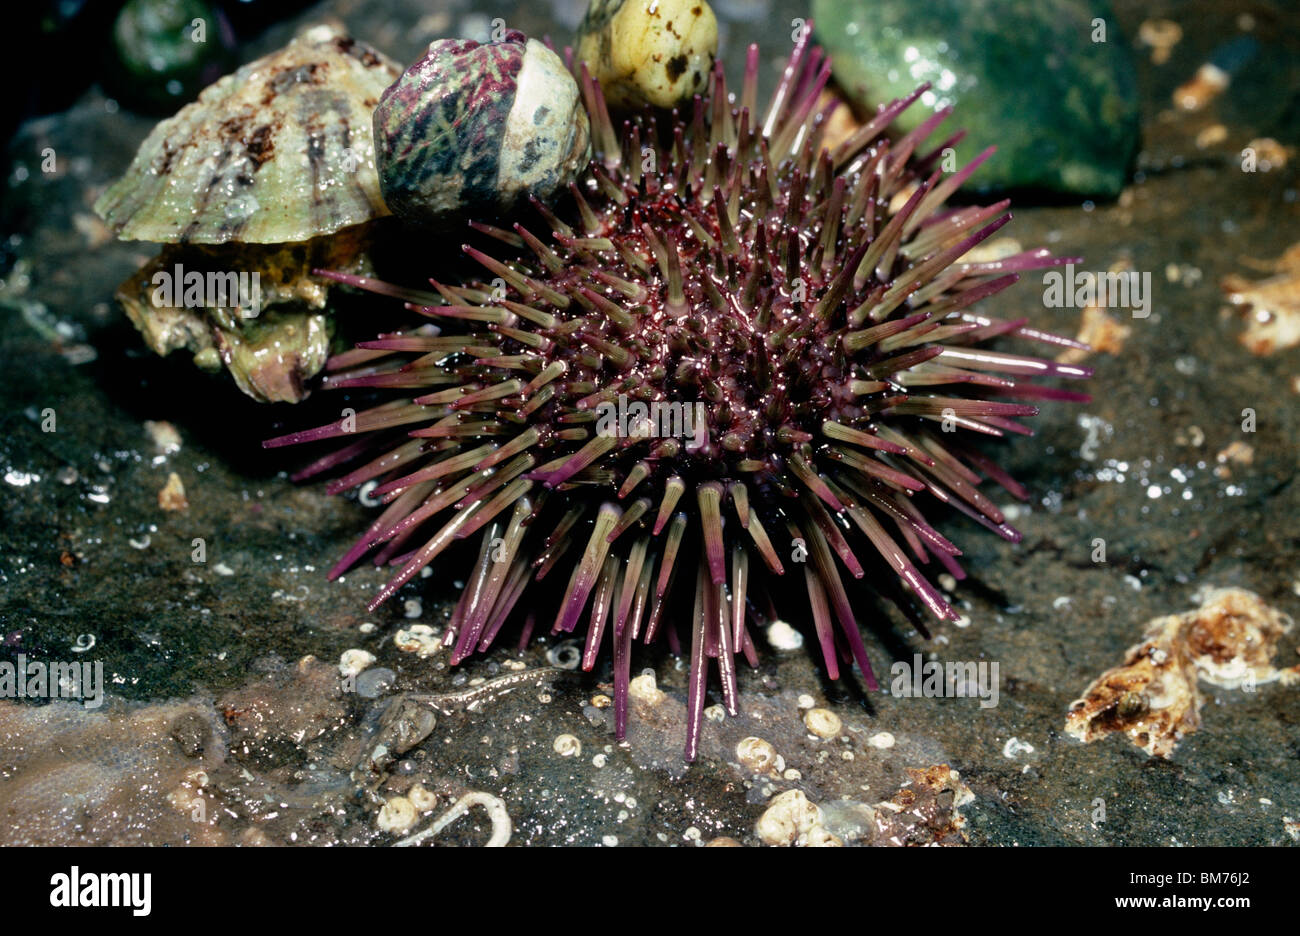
656, 52
279, 150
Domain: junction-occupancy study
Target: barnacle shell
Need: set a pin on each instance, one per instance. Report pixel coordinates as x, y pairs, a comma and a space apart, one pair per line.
1154, 698
279, 150
1273, 304
274, 356
473, 130
656, 52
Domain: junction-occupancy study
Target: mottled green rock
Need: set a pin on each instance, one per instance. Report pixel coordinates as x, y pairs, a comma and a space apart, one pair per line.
1026, 75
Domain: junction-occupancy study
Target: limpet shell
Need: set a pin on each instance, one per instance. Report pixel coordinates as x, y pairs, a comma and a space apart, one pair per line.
473, 130
279, 150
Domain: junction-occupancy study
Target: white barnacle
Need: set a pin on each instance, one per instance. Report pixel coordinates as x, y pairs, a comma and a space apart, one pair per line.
822, 722
566, 745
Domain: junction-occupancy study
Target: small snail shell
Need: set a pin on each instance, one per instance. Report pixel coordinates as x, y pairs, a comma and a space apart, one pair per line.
656, 52
472, 130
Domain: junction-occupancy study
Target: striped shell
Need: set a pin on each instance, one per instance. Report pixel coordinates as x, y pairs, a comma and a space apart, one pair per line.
278, 151
473, 130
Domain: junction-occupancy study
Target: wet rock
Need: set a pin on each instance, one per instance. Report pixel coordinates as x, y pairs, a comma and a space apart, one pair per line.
302, 703
375, 682
124, 774
192, 731
1028, 77
925, 811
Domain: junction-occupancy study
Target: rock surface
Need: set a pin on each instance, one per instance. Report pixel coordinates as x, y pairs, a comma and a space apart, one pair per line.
86, 550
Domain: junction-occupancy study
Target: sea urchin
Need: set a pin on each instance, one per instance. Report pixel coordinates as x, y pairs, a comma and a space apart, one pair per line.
807, 304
